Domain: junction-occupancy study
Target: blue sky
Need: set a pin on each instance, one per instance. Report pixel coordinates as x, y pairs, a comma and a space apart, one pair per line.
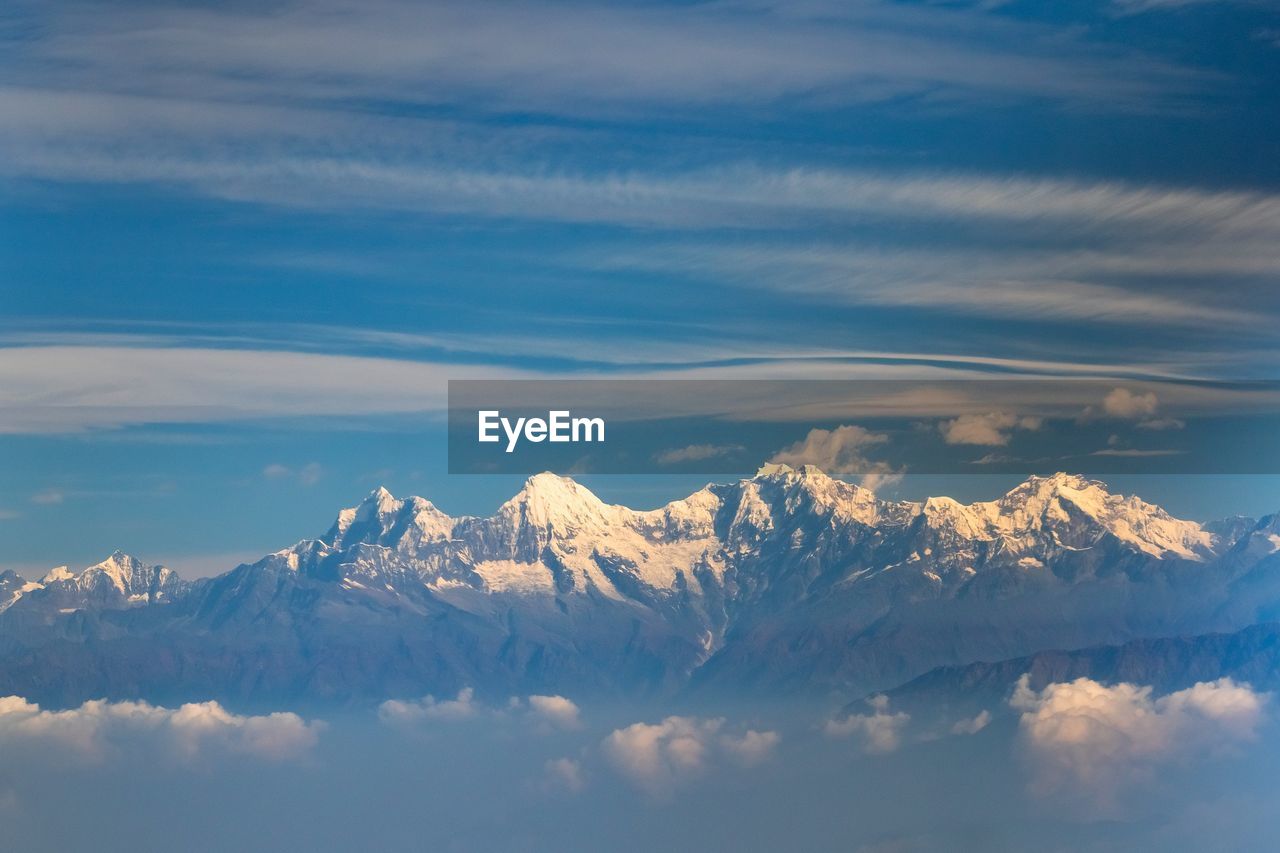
242, 246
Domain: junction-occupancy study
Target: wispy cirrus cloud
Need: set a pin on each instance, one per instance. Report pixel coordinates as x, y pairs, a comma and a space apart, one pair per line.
695, 453
307, 475
573, 58
1086, 281
120, 381
68, 389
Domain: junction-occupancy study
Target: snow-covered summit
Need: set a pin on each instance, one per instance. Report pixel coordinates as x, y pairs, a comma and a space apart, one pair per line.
382, 519
547, 499
120, 580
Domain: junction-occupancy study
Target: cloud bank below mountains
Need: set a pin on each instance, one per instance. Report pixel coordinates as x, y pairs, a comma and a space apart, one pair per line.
640, 785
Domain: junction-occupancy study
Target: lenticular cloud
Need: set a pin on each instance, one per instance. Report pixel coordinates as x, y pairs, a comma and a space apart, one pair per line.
95, 726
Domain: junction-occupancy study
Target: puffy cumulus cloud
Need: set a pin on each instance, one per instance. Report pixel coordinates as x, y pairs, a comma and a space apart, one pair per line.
880, 731
1126, 405
1123, 403
840, 451
655, 755
752, 747
97, 725
549, 712
1086, 734
461, 707
993, 429
658, 756
556, 710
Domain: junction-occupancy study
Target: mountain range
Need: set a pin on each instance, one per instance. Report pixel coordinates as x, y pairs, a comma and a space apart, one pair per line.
789, 582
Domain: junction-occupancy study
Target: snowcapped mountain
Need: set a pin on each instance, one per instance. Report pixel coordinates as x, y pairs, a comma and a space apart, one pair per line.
789, 580
119, 581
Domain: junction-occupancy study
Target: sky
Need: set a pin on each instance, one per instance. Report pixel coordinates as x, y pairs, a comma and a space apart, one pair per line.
243, 246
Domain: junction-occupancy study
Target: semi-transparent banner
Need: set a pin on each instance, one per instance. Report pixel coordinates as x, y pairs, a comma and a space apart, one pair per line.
862, 427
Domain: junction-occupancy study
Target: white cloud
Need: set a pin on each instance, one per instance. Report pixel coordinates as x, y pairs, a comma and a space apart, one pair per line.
973, 725
695, 453
752, 747
1092, 738
461, 707
1125, 404
307, 475
658, 756
839, 452
73, 388
548, 713
119, 381
557, 710
562, 58
187, 731
880, 731
989, 430
996, 281
47, 497
1134, 7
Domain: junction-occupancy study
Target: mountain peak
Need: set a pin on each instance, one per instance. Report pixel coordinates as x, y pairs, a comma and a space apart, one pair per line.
773, 469
125, 572
117, 558
61, 573
783, 471
1059, 480
548, 497
1086, 493
381, 500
